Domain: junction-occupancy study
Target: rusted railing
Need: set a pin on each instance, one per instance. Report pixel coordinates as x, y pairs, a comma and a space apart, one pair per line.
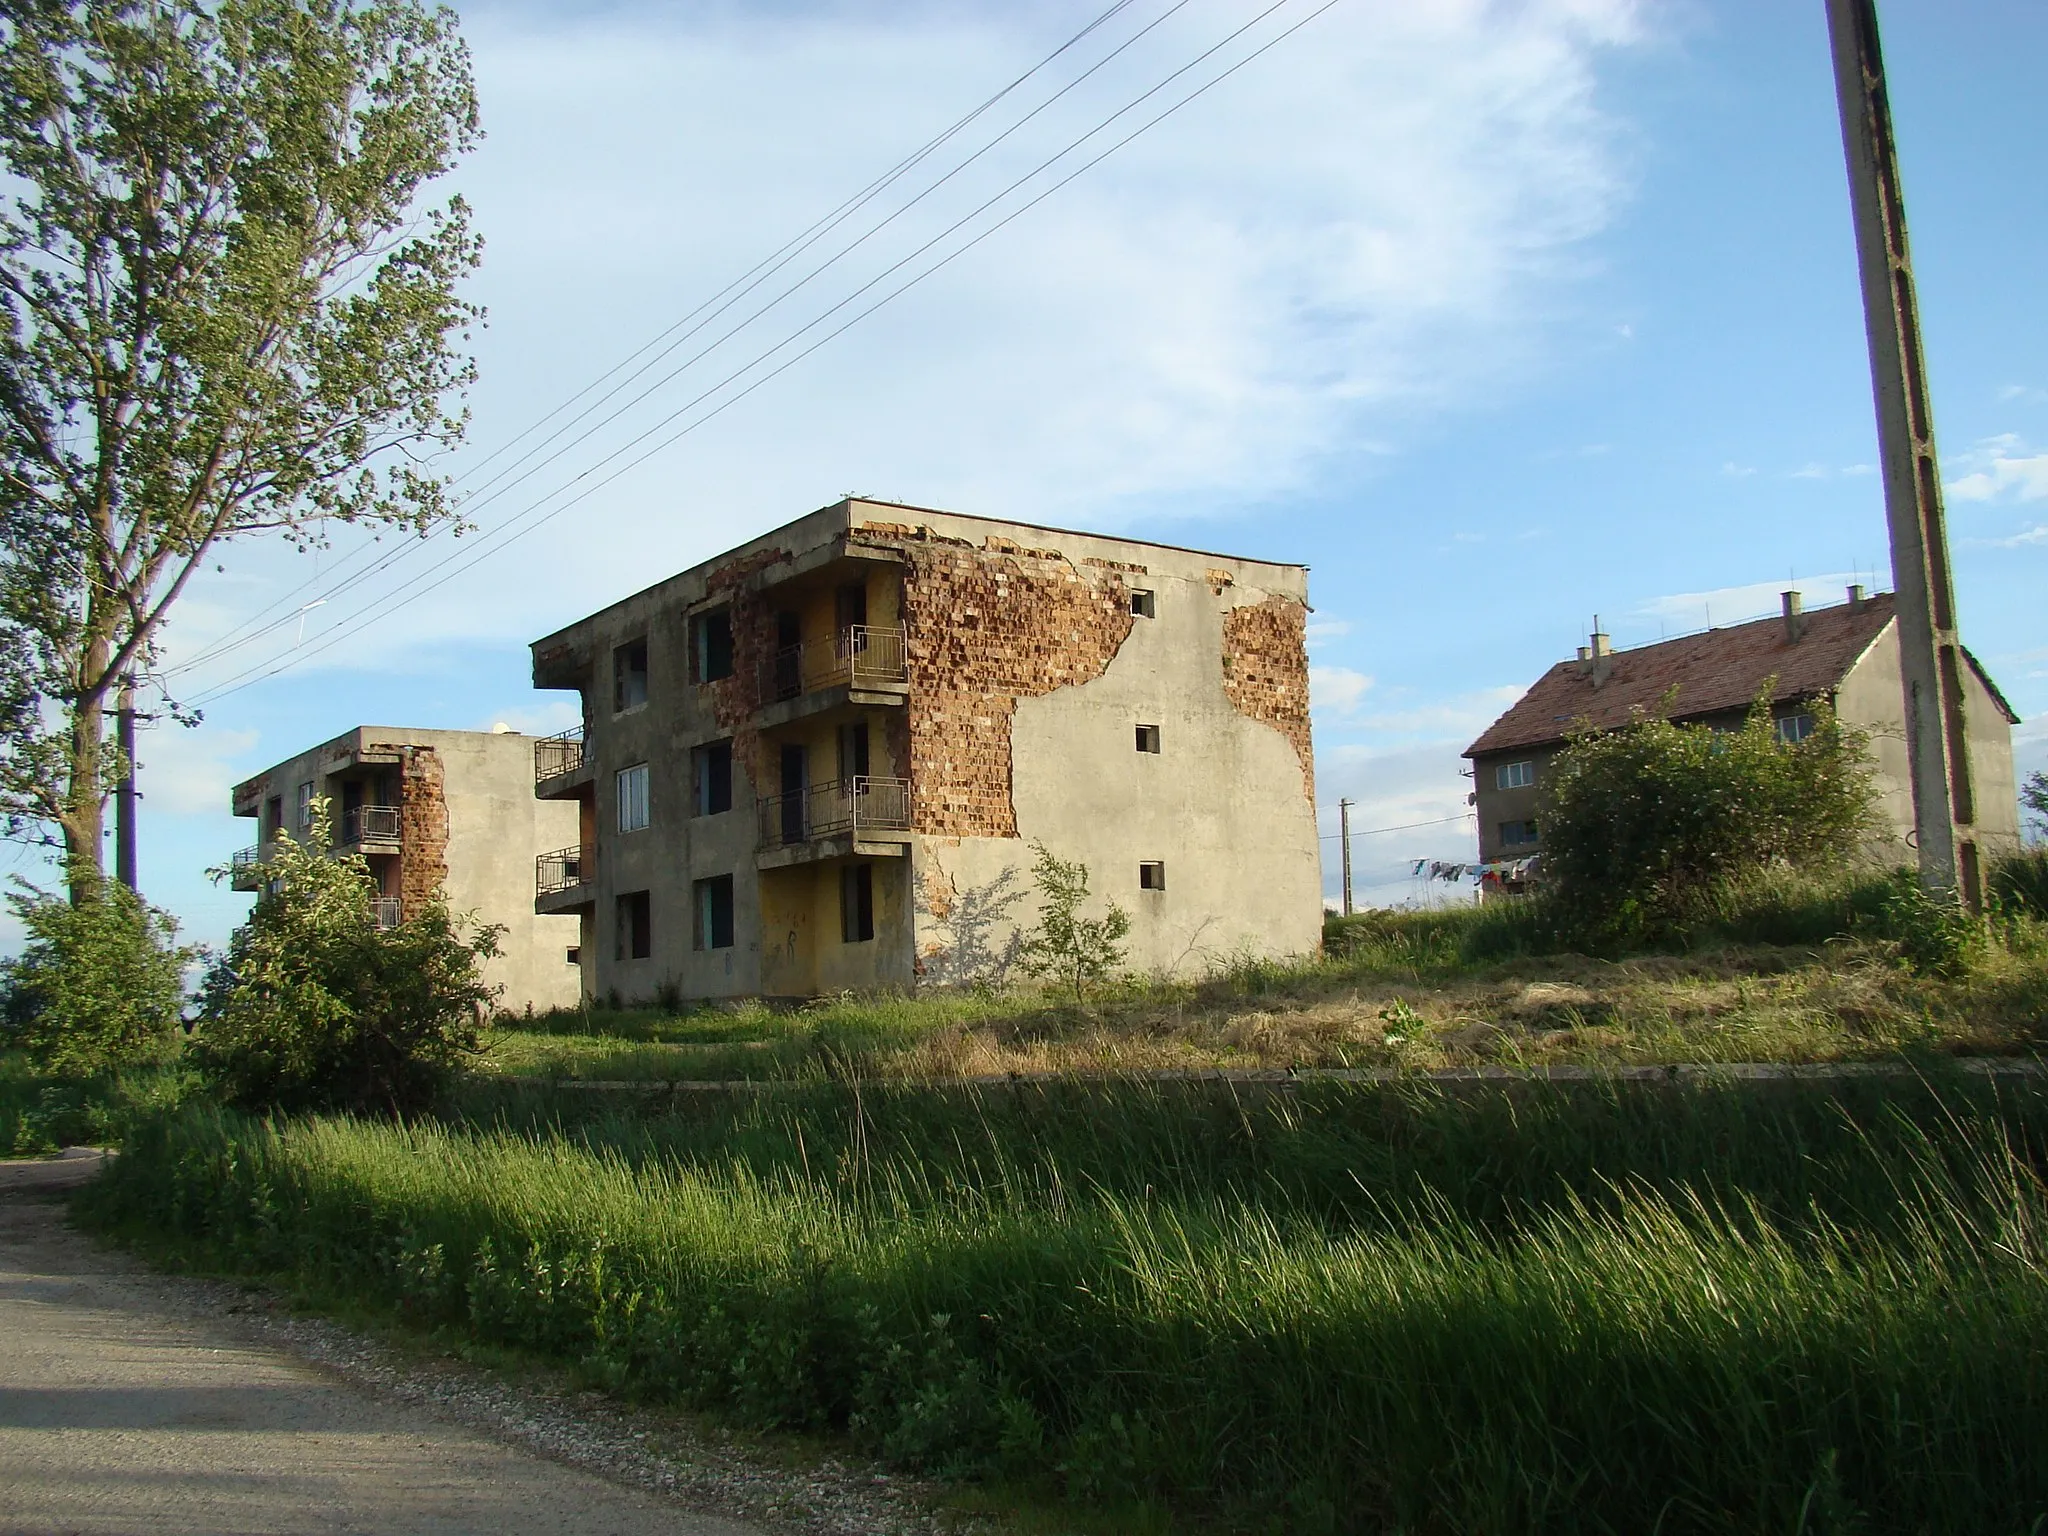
242, 873
556, 755
862, 655
370, 824
858, 805
564, 869
386, 911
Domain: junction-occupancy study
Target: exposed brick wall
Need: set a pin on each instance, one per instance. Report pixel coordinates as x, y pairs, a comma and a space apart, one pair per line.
1265, 672
735, 699
984, 627
423, 828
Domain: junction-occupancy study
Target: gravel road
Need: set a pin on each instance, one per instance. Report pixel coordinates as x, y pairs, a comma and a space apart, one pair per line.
137, 1402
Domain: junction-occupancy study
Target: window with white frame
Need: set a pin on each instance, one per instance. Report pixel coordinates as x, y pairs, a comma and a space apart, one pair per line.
633, 798
1514, 775
1793, 729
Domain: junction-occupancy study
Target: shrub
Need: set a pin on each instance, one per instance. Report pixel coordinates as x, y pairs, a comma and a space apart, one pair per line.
99, 984
314, 1006
1074, 948
2034, 796
1642, 824
2020, 883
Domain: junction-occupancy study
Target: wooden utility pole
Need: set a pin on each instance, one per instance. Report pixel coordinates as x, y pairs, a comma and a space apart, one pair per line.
124, 792
1344, 833
1930, 653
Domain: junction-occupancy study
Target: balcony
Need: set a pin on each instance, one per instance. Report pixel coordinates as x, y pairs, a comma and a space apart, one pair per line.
865, 815
243, 874
561, 765
386, 912
862, 664
373, 828
565, 879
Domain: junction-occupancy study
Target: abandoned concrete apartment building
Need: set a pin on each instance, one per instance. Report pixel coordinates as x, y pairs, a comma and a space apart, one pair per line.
818, 761
432, 812
1846, 654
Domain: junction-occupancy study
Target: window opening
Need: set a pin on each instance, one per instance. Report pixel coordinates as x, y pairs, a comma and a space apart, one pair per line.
857, 903
714, 912
853, 751
629, 675
1517, 834
573, 954
1141, 603
711, 646
1793, 729
633, 798
795, 777
304, 808
1514, 775
635, 927
850, 605
713, 774
1152, 877
1148, 738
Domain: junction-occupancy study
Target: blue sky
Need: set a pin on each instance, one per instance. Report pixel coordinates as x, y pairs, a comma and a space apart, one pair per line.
1498, 315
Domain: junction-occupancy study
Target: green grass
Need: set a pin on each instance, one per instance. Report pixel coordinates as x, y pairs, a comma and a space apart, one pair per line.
1341, 1309
41, 1112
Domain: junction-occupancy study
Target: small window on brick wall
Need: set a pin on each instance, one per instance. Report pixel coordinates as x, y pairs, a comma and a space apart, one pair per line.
1141, 603
1152, 877
635, 936
711, 646
1148, 738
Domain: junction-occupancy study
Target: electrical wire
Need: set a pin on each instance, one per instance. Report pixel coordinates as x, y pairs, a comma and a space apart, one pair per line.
509, 533
1331, 837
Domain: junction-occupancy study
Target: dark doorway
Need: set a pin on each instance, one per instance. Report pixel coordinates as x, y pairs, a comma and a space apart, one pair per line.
789, 655
853, 751
795, 780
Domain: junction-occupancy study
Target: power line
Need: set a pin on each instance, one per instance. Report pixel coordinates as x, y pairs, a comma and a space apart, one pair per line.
1331, 837
738, 288
509, 533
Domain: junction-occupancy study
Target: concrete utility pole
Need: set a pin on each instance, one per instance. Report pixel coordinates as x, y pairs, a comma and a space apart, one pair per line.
1344, 832
124, 793
1930, 654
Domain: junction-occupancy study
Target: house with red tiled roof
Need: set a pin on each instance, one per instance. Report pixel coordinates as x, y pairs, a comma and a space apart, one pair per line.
1847, 654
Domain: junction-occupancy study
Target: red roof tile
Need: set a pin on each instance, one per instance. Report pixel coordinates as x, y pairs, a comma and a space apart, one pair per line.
1720, 670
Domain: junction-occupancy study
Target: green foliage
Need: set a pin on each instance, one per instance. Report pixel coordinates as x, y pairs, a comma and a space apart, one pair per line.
1343, 1309
2019, 883
1642, 824
43, 1112
99, 984
1075, 949
226, 308
1931, 936
2034, 796
313, 1005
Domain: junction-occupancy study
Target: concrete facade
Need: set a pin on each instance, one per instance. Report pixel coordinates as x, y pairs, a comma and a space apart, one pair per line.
1851, 660
447, 812
907, 700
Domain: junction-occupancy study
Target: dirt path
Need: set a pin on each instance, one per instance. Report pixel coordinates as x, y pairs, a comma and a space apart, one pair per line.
133, 1402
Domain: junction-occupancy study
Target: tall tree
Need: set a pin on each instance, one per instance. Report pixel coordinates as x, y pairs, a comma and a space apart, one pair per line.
226, 309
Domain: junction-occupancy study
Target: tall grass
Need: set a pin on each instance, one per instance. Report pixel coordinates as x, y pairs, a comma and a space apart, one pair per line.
1351, 1315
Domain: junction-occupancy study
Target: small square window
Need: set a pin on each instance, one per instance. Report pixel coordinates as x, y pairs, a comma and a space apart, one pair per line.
1141, 603
1793, 729
629, 675
1517, 834
711, 766
633, 798
1152, 877
1514, 775
711, 646
1148, 738
857, 903
714, 912
634, 938
573, 954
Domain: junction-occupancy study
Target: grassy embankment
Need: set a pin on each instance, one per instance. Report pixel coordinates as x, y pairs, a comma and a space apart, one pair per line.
41, 1112
1790, 972
1790, 1308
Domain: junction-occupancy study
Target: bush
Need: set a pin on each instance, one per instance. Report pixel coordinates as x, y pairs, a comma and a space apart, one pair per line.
314, 1006
99, 984
2019, 884
1642, 825
1066, 945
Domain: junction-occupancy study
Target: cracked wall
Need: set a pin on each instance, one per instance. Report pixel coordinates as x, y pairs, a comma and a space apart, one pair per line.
1265, 673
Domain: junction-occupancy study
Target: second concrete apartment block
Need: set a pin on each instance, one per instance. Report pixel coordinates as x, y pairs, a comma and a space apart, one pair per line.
817, 762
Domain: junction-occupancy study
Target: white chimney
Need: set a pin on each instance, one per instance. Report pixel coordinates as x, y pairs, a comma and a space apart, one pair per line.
1793, 623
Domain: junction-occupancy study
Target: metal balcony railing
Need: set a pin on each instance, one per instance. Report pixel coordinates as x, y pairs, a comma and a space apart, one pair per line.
862, 655
386, 911
857, 805
564, 869
556, 755
242, 874
370, 824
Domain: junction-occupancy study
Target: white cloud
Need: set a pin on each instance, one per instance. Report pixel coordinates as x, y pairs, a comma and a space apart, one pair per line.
1735, 471
1408, 803
189, 772
2036, 533
2000, 469
1322, 631
1731, 605
1376, 219
1339, 690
